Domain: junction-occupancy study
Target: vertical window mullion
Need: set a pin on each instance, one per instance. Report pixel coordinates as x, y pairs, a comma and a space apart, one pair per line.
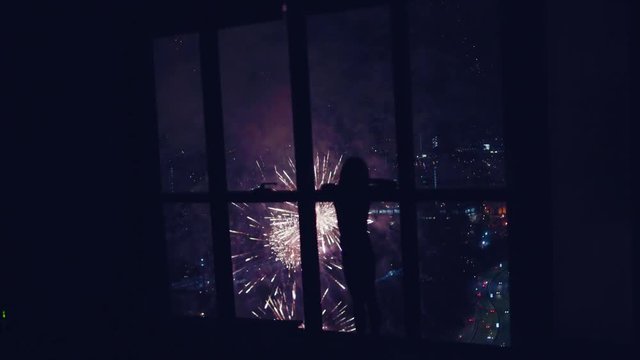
155, 214
406, 172
216, 164
301, 106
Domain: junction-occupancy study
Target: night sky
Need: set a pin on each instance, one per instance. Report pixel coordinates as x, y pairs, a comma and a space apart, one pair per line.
351, 84
256, 102
458, 139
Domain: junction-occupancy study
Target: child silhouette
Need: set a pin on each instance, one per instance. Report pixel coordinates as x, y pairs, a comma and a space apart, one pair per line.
358, 261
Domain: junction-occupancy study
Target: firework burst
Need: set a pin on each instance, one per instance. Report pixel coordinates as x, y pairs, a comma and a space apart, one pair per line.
272, 262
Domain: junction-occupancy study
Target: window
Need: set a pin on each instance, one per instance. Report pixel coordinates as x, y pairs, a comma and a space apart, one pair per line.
256, 105
257, 117
188, 232
434, 128
265, 249
180, 114
351, 83
456, 82
464, 271
456, 87
183, 158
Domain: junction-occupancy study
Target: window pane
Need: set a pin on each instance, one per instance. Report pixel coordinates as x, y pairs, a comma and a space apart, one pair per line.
352, 89
256, 104
464, 272
180, 115
190, 256
265, 249
384, 232
457, 110
337, 311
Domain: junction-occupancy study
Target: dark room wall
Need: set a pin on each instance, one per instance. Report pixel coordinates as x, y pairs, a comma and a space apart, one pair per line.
71, 144
588, 123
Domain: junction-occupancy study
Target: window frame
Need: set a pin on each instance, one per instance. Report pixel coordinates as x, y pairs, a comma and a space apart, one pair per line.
524, 194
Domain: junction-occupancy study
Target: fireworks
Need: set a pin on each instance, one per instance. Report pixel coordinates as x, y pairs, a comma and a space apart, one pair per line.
279, 306
284, 238
272, 263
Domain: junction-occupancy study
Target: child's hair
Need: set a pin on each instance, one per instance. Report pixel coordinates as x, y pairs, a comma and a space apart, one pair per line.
354, 174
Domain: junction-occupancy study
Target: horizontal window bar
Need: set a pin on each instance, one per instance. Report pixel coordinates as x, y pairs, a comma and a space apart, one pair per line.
323, 195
